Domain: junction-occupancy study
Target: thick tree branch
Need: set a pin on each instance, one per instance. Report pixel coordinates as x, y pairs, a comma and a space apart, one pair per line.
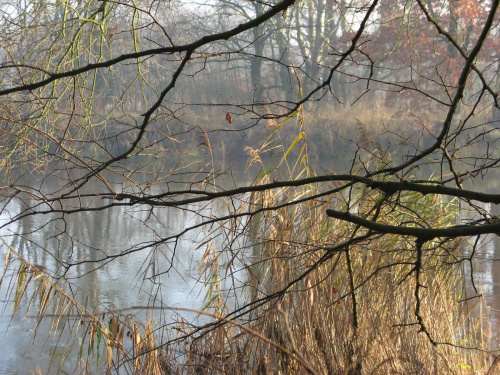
423, 233
385, 186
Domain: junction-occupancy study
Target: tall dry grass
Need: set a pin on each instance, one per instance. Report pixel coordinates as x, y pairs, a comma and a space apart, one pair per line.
349, 310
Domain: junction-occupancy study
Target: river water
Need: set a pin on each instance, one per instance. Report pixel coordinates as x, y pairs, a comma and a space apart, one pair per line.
120, 284
126, 281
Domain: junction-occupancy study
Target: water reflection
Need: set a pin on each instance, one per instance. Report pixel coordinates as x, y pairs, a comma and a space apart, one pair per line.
139, 278
487, 258
487, 277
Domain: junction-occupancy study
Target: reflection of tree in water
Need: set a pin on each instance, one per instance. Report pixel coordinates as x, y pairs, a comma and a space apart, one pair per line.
156, 275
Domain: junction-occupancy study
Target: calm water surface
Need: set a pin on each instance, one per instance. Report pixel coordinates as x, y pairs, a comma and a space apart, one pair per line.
120, 284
